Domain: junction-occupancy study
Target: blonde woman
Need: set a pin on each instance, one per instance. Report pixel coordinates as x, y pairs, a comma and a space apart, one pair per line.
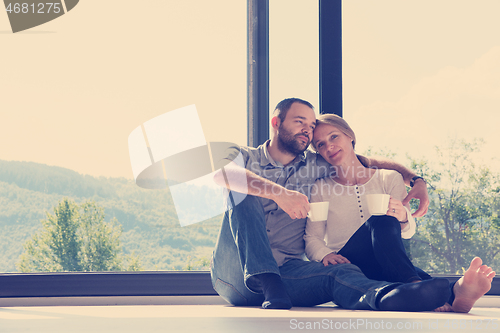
351, 235
373, 243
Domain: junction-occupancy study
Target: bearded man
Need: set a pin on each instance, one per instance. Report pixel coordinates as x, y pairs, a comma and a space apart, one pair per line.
259, 255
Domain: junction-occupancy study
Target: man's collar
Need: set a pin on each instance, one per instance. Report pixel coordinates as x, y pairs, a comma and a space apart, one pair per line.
303, 156
267, 159
300, 158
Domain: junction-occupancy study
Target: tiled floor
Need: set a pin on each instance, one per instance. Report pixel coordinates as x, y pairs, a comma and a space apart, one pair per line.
223, 318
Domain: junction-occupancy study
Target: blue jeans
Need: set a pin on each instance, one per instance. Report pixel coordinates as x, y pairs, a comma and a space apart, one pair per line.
243, 251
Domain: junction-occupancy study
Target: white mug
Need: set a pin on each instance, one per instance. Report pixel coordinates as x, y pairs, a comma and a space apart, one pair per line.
318, 211
378, 204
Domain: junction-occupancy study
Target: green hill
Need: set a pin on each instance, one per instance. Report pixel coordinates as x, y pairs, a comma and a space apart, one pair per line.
150, 227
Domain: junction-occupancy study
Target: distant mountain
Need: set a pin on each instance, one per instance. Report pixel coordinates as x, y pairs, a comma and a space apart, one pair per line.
150, 228
53, 180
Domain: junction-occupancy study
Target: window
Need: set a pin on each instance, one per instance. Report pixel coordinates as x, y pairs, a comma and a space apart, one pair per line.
420, 74
76, 87
293, 51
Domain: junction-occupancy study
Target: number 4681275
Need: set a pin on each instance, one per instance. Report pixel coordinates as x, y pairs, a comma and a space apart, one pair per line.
40, 8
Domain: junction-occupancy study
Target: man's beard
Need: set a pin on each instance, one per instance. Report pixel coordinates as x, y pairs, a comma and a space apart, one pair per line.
288, 143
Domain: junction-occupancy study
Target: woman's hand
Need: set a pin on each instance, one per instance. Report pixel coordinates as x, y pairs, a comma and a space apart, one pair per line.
397, 210
334, 259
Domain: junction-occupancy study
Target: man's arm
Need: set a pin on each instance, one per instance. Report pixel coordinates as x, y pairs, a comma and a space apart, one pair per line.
419, 189
238, 179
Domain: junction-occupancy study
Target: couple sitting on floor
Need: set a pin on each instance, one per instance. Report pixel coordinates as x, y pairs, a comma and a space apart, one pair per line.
357, 261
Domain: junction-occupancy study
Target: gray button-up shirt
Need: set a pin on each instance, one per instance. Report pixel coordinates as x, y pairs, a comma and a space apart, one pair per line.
285, 234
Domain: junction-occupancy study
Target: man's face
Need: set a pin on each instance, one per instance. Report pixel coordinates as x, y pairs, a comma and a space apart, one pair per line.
295, 132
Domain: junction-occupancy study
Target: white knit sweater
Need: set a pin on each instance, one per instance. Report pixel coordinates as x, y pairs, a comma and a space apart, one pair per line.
348, 210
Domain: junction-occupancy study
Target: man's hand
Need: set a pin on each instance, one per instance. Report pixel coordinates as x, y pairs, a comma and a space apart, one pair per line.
419, 191
294, 203
334, 259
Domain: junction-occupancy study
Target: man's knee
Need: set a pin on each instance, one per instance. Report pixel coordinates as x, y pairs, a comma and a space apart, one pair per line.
229, 293
249, 201
250, 205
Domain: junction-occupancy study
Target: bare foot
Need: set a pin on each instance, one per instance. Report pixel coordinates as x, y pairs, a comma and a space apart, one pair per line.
469, 288
445, 308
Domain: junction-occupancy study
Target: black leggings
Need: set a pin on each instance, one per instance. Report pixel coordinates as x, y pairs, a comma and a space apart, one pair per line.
378, 250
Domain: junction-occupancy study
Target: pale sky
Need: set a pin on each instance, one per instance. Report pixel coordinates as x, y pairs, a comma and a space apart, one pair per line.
73, 89
422, 71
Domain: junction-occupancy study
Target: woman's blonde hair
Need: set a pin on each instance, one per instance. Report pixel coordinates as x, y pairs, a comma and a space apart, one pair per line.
337, 122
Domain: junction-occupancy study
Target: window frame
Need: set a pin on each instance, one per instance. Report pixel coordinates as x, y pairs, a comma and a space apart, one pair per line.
112, 284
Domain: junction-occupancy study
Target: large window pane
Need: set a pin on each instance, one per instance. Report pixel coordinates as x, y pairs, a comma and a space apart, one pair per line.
73, 90
421, 74
293, 51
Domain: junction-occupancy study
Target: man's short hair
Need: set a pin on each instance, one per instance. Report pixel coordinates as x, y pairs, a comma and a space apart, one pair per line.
285, 105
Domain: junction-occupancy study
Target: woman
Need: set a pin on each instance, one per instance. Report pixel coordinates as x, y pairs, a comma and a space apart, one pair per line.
351, 235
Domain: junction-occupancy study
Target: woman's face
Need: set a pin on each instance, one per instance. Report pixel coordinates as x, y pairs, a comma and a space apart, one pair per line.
332, 144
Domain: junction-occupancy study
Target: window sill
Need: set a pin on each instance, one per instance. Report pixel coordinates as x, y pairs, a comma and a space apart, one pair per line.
116, 288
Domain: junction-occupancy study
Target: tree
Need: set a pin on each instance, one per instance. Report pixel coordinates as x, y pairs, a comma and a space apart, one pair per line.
199, 265
462, 221
75, 238
99, 242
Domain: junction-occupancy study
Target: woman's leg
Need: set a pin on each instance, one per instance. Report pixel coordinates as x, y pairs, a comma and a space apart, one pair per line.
422, 274
311, 283
377, 248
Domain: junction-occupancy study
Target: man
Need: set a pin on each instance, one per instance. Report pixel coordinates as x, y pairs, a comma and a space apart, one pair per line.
258, 258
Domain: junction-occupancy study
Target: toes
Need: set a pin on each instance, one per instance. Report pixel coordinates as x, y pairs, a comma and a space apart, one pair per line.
483, 269
491, 275
475, 263
487, 270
